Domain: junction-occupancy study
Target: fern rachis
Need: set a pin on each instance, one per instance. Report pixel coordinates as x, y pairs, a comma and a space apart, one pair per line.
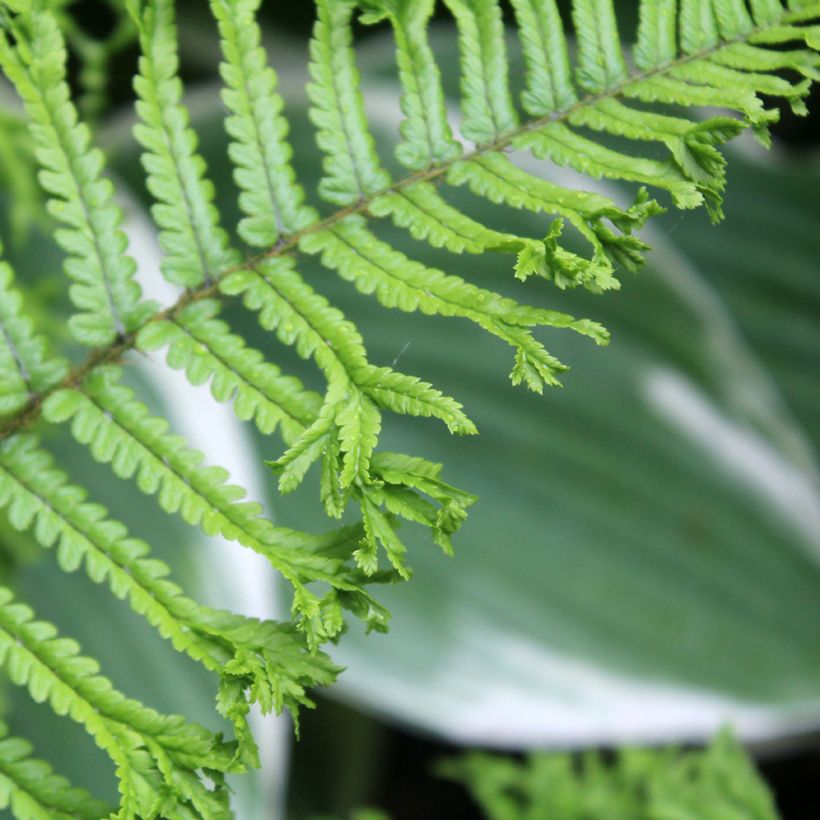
697, 52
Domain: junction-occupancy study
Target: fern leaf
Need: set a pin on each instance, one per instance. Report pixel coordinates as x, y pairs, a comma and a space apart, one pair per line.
37, 495
657, 42
427, 216
487, 105
156, 755
300, 317
27, 365
766, 11
196, 247
601, 63
564, 147
751, 58
206, 349
427, 136
399, 472
272, 201
359, 424
410, 396
303, 318
714, 53
119, 431
31, 789
496, 178
399, 282
692, 146
713, 783
698, 26
377, 530
103, 287
779, 34
546, 57
673, 91
733, 18
306, 320
352, 168
751, 82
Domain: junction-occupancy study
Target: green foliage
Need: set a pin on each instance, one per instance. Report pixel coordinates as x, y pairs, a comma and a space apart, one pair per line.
33, 792
727, 56
641, 784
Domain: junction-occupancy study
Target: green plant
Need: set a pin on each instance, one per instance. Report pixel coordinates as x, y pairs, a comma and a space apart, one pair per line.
726, 57
640, 784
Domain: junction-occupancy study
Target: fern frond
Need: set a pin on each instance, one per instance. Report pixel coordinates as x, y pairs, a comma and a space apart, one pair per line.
196, 247
657, 42
32, 791
331, 432
375, 267
546, 57
120, 431
710, 784
272, 200
304, 319
601, 62
428, 138
564, 147
156, 756
104, 290
38, 496
496, 178
27, 366
716, 53
352, 167
205, 348
486, 102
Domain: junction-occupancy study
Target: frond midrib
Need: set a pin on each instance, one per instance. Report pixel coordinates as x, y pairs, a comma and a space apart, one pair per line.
114, 352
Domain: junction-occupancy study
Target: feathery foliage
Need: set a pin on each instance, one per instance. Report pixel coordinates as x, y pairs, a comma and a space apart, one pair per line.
714, 53
31, 789
642, 784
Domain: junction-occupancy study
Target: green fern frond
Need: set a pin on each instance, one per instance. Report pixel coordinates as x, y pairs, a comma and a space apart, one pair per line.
105, 292
205, 348
428, 138
352, 168
196, 247
546, 57
486, 103
723, 54
38, 496
398, 282
27, 365
32, 791
273, 201
156, 756
119, 431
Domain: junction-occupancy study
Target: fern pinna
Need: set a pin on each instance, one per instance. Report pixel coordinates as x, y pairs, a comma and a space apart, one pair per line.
713, 53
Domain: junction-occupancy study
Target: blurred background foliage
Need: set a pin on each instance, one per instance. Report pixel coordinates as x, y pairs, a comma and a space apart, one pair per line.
643, 563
